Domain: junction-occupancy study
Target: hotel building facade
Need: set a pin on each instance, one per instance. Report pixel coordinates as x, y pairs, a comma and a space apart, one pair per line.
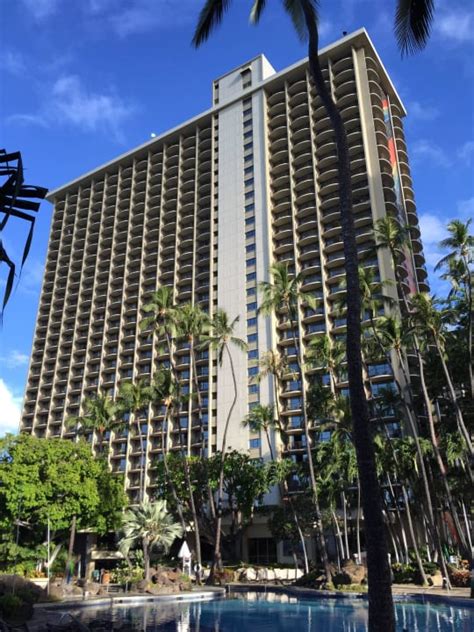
205, 209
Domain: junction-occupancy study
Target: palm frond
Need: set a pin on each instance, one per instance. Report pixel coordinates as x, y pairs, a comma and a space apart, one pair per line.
413, 21
210, 17
257, 10
300, 15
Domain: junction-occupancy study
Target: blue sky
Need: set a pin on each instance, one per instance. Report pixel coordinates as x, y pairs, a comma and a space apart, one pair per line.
82, 81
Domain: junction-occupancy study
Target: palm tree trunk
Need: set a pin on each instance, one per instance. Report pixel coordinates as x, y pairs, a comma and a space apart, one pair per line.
469, 325
217, 561
146, 559
197, 534
454, 399
431, 507
438, 456
346, 535
72, 537
399, 518
338, 534
381, 612
413, 536
359, 554
164, 450
141, 492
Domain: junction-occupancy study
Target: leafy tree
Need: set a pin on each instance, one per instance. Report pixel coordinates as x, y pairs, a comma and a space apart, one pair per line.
58, 481
150, 526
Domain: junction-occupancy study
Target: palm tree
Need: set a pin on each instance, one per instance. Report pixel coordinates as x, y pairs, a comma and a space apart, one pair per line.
328, 354
275, 365
134, 398
461, 243
260, 419
220, 338
429, 321
191, 324
162, 310
283, 294
166, 393
412, 23
151, 526
101, 415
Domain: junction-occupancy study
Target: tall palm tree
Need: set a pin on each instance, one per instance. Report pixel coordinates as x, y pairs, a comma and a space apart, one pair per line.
162, 318
166, 393
412, 24
151, 526
283, 295
220, 338
191, 324
428, 320
273, 364
101, 415
133, 398
460, 258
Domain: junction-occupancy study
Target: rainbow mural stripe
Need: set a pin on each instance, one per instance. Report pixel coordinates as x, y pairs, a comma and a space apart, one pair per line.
408, 260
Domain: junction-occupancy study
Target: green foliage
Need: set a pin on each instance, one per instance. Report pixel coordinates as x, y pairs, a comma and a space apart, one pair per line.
10, 605
149, 524
55, 479
124, 573
410, 574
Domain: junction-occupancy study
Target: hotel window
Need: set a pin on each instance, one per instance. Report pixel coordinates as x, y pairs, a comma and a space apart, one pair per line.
246, 78
251, 307
251, 322
250, 234
251, 291
252, 338
251, 262
253, 389
251, 276
252, 354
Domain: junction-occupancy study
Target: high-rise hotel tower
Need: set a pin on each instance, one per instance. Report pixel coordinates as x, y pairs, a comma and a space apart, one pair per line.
205, 209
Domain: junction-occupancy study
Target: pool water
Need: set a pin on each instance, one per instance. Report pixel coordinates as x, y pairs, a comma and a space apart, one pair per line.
276, 612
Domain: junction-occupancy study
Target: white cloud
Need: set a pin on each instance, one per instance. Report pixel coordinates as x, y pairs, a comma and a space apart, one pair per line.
15, 359
433, 230
426, 150
421, 111
69, 102
138, 16
12, 62
455, 25
88, 110
41, 9
10, 409
466, 152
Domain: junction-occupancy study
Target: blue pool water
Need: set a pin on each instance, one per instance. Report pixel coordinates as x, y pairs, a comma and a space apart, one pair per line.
277, 613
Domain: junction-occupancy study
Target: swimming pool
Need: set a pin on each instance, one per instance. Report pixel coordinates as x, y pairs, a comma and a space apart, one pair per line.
275, 612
